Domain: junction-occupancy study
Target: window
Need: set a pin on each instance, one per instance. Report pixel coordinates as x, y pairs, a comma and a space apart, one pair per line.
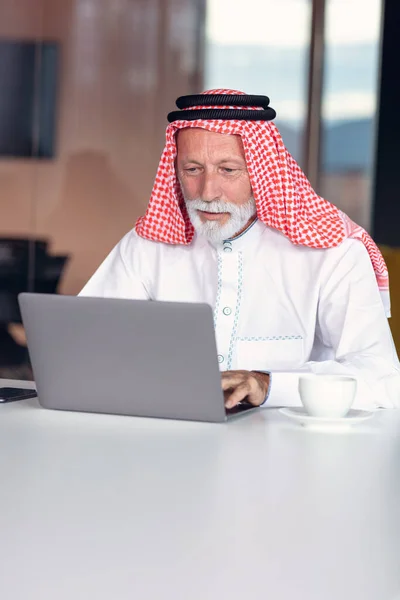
352, 35
254, 47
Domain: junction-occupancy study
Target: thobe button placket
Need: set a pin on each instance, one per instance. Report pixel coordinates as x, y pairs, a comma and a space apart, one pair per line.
227, 247
220, 358
227, 302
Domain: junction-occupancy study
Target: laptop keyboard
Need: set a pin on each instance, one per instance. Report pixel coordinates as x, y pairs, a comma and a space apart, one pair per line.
239, 408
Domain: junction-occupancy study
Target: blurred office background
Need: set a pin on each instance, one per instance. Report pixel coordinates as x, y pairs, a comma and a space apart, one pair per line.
85, 86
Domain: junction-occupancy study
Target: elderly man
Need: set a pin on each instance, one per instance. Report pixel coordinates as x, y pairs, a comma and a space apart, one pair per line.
232, 221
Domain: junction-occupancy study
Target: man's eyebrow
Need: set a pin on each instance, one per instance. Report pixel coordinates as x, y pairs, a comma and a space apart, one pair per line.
239, 161
191, 160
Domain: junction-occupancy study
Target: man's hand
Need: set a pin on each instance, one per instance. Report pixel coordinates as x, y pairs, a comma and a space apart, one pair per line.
251, 386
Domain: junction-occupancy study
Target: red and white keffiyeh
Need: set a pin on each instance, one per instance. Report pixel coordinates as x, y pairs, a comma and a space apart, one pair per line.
284, 197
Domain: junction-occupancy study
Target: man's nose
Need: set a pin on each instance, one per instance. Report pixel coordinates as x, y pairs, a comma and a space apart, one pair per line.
210, 189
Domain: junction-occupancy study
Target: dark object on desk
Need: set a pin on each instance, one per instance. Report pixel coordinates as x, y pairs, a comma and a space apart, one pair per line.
10, 394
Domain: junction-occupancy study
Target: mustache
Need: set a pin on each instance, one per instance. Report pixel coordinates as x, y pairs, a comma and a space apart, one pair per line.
215, 207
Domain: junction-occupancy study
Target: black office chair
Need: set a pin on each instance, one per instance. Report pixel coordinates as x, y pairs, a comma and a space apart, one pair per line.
25, 266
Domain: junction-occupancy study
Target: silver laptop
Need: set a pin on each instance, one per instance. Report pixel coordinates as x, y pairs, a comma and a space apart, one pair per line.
125, 357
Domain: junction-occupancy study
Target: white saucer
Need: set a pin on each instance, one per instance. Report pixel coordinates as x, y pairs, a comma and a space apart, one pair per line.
300, 415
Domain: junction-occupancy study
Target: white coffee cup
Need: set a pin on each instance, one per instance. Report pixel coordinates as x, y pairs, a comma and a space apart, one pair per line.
327, 396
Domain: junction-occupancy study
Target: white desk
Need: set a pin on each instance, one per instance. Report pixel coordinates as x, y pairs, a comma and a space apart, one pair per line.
115, 508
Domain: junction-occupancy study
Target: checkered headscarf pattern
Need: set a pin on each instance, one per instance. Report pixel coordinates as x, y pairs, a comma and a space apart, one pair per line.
284, 197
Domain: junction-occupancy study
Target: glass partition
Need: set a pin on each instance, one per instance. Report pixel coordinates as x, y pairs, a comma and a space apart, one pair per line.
349, 100
253, 46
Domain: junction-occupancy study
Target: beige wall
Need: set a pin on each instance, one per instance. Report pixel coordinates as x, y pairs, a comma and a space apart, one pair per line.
123, 63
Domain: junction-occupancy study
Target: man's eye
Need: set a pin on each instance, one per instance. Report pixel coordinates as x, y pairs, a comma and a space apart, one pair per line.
191, 169
228, 170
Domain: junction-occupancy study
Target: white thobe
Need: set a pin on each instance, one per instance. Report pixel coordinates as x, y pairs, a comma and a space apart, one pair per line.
278, 307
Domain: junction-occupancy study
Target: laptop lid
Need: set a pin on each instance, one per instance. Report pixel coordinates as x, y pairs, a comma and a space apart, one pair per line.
125, 357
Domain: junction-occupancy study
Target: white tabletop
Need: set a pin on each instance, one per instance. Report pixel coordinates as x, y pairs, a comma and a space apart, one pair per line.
101, 507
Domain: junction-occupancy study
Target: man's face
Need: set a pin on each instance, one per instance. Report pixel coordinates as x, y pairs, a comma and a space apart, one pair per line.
215, 183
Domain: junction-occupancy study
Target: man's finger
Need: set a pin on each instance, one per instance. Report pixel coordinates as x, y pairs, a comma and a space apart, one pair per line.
240, 393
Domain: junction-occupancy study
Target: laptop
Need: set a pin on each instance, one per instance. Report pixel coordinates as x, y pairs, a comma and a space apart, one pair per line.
125, 357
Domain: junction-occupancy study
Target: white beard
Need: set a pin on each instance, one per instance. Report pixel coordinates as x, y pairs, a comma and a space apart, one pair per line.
212, 230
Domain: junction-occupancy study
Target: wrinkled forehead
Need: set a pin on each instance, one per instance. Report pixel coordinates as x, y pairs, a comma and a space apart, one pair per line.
202, 142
